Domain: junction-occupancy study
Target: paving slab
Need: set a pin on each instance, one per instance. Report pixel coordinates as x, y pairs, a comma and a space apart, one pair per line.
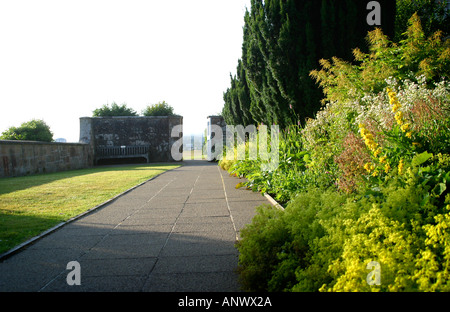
174, 233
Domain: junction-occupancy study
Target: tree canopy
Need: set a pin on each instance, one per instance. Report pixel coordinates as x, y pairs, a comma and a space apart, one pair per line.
158, 109
283, 40
114, 110
34, 130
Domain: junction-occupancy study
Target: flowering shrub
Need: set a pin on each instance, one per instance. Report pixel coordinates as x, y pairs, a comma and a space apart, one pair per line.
296, 170
324, 239
367, 180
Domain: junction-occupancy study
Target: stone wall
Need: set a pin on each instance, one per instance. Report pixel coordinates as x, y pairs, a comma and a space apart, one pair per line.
154, 132
20, 158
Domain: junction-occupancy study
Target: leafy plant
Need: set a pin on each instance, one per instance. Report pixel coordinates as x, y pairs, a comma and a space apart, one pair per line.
114, 110
413, 56
368, 179
325, 238
432, 13
159, 109
34, 130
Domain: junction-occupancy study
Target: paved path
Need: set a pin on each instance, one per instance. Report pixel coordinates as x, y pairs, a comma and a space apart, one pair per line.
174, 233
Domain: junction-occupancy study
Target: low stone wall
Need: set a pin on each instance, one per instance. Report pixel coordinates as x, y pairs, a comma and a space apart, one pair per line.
20, 158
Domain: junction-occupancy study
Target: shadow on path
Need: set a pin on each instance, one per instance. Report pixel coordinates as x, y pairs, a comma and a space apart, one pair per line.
175, 233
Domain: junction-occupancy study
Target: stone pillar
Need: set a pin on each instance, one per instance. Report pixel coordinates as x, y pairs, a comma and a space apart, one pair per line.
87, 136
212, 139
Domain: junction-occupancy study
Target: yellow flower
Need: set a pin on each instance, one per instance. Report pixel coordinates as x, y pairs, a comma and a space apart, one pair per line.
368, 135
383, 159
400, 167
369, 167
409, 135
371, 144
387, 168
405, 127
377, 152
393, 100
399, 117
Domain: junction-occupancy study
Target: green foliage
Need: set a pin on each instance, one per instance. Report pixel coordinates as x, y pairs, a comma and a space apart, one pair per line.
34, 130
432, 264
282, 41
292, 174
412, 57
368, 179
237, 100
262, 240
396, 231
114, 110
159, 109
432, 13
325, 239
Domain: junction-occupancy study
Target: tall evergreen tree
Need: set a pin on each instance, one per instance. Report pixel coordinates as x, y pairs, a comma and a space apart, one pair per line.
237, 100
283, 42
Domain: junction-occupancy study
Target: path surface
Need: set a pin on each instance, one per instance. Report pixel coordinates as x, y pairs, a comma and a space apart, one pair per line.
174, 233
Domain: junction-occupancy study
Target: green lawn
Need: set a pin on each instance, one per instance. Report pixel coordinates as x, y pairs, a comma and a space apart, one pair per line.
31, 205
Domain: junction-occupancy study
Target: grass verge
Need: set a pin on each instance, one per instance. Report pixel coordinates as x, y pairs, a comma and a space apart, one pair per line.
31, 205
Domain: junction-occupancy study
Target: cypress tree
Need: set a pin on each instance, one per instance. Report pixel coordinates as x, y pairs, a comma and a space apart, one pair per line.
283, 42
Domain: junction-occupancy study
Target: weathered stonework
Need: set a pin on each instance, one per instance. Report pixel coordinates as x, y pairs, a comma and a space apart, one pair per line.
147, 137
20, 158
122, 132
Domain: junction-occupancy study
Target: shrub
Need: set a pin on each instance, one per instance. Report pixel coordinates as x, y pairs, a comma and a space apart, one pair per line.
261, 241
374, 237
275, 249
114, 110
433, 263
159, 109
433, 13
414, 56
226, 164
34, 130
367, 180
325, 238
294, 173
397, 231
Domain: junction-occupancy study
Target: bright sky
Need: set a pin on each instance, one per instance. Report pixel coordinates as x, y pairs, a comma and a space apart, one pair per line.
61, 59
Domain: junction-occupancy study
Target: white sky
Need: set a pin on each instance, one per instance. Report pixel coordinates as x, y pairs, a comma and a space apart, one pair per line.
61, 59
